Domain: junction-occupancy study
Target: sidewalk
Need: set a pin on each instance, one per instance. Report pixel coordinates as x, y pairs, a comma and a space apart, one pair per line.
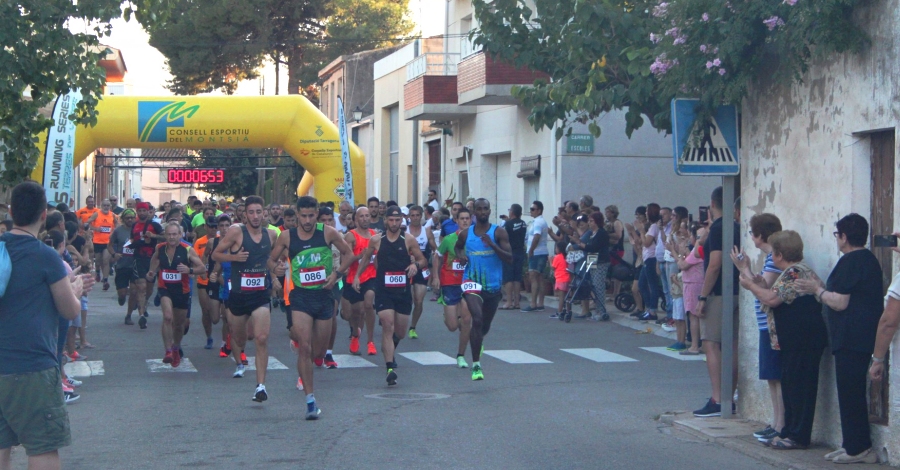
737, 434
615, 315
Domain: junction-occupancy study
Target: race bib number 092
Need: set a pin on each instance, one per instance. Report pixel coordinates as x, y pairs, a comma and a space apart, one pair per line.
397, 279
253, 282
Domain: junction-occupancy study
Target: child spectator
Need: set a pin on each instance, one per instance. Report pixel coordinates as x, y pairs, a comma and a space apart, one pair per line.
562, 275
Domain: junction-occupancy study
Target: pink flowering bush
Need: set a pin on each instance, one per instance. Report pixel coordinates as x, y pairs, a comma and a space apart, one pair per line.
713, 49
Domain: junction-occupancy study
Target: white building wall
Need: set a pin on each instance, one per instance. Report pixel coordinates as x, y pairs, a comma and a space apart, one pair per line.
804, 161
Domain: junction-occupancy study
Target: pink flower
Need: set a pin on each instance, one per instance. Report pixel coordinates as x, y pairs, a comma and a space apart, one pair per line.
705, 16
716, 50
773, 22
709, 65
661, 65
790, 2
661, 10
655, 38
721, 71
672, 32
679, 40
716, 62
702, 47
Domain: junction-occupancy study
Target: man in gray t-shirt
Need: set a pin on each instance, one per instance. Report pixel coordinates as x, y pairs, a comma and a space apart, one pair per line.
537, 256
123, 255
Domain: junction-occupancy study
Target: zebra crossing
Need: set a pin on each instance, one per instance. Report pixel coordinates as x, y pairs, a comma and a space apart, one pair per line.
424, 358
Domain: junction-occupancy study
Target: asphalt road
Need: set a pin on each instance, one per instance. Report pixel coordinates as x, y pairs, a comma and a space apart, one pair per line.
558, 411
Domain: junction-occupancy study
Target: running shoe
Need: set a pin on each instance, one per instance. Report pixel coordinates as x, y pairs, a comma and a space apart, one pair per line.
156, 300
71, 397
260, 395
677, 346
330, 363
295, 347
461, 362
354, 345
557, 316
121, 300
312, 411
765, 436
647, 317
244, 359
319, 361
142, 322
710, 410
209, 343
239, 371
391, 377
72, 382
299, 384
412, 333
477, 373
106, 285
128, 320
527, 309
224, 352
176, 358
371, 349
169, 357
667, 327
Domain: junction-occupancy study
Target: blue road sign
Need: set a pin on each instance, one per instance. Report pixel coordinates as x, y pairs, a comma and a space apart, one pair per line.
709, 149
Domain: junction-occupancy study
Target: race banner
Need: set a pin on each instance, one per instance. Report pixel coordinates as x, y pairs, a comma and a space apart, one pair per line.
345, 154
59, 155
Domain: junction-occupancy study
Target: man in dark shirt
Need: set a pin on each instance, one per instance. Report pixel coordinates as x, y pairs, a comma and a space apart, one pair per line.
377, 222
710, 305
450, 225
115, 207
32, 412
512, 272
145, 235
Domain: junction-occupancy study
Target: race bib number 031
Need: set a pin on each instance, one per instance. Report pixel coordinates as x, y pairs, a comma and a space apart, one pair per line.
170, 276
312, 276
397, 279
253, 281
471, 287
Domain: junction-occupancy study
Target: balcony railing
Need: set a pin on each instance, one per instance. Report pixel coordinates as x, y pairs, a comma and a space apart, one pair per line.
467, 48
432, 64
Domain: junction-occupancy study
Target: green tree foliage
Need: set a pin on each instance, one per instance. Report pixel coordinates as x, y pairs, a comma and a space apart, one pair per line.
639, 55
41, 57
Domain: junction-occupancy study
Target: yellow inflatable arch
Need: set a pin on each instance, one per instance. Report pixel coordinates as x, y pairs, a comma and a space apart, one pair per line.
290, 122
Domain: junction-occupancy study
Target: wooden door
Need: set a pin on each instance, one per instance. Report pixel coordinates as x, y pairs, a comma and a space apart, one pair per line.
882, 223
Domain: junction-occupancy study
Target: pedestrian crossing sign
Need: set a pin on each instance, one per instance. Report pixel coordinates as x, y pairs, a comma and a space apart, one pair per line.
705, 148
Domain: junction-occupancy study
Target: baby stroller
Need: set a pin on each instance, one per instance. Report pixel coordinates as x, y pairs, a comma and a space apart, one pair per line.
626, 273
581, 279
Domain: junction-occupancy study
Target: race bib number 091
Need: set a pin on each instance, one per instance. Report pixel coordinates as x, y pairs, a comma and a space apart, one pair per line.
397, 279
170, 276
312, 276
253, 282
471, 287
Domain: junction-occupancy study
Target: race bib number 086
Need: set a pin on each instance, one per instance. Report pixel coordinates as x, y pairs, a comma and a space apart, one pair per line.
395, 279
253, 282
312, 276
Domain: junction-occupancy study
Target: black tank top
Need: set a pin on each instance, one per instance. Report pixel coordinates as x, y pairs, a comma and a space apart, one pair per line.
620, 245
169, 277
250, 276
393, 259
297, 245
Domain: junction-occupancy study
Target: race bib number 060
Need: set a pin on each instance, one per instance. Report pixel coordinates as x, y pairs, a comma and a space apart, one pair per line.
471, 287
312, 276
396, 279
457, 266
253, 282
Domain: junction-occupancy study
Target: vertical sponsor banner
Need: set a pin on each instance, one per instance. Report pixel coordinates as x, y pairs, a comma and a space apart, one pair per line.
345, 154
59, 157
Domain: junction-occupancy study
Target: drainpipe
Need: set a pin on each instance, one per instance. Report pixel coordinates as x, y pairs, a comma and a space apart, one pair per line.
553, 173
415, 147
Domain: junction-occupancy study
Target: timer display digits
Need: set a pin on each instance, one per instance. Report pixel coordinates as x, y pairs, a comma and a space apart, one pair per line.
196, 175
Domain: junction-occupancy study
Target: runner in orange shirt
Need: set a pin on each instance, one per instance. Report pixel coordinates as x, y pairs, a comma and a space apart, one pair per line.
102, 223
86, 212
210, 308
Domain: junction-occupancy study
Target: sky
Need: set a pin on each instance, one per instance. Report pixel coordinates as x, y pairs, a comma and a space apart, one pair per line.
148, 73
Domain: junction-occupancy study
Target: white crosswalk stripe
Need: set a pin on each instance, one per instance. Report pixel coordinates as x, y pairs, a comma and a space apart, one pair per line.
599, 355
274, 364
350, 361
430, 358
674, 354
515, 356
157, 365
84, 368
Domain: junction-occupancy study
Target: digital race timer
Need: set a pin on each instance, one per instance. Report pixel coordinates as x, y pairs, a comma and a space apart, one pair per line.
196, 175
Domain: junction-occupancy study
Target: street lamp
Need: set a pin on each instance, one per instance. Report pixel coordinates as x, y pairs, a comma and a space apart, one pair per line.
357, 114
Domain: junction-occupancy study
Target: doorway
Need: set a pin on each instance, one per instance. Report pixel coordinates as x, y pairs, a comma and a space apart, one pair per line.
882, 222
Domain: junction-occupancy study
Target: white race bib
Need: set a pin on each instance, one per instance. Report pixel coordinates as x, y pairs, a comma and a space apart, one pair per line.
471, 287
396, 279
127, 250
457, 266
312, 276
426, 273
105, 229
253, 281
170, 276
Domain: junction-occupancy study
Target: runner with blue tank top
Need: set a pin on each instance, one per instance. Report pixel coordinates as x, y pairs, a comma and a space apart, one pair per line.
394, 272
483, 248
